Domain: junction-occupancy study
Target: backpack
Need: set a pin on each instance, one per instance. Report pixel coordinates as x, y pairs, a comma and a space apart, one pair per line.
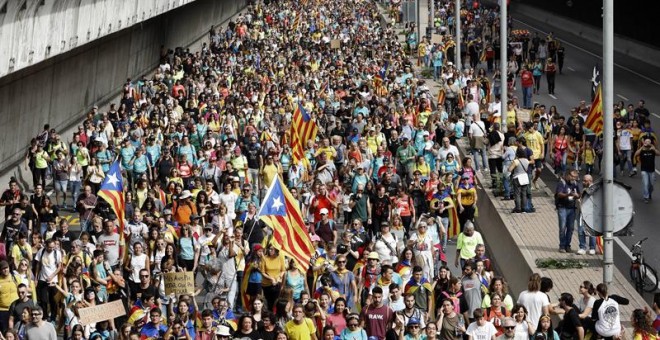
455, 300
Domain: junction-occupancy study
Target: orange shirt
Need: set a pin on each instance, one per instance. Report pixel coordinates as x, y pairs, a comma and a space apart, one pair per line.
182, 213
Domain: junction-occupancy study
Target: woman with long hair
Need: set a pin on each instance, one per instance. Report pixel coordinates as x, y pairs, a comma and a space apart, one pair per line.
189, 249
524, 328
247, 328
498, 285
642, 322
545, 328
48, 212
406, 263
295, 280
337, 319
273, 270
585, 303
136, 262
258, 309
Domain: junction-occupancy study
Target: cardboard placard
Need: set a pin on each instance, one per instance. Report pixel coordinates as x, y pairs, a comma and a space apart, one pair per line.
523, 115
335, 43
436, 39
102, 312
179, 283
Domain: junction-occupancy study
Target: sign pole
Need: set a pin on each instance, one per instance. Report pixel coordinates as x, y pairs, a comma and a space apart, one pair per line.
608, 142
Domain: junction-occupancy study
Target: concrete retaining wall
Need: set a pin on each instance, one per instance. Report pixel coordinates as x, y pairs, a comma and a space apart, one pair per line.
60, 90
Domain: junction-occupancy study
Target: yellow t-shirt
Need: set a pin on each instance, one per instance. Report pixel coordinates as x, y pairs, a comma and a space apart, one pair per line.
17, 252
330, 152
302, 331
8, 292
535, 143
270, 172
511, 116
273, 267
468, 196
423, 168
468, 244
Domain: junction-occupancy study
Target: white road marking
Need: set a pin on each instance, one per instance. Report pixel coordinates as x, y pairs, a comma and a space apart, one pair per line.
622, 97
570, 68
657, 171
655, 115
595, 55
552, 96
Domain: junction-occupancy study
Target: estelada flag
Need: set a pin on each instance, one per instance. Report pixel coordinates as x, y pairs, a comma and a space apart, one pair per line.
441, 97
461, 102
594, 120
281, 212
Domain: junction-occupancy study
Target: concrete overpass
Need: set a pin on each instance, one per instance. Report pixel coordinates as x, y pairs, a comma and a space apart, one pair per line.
61, 57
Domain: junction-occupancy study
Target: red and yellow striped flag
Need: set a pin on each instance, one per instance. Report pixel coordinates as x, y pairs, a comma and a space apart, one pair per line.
595, 118
281, 212
303, 129
112, 191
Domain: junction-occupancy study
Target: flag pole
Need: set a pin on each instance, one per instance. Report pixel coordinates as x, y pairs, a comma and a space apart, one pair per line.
608, 131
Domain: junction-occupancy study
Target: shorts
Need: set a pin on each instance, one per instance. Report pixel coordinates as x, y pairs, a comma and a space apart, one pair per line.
538, 164
60, 186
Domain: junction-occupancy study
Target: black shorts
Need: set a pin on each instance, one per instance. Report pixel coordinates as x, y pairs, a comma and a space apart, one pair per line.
538, 164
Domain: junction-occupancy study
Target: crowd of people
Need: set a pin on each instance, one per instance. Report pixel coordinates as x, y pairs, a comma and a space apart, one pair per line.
383, 189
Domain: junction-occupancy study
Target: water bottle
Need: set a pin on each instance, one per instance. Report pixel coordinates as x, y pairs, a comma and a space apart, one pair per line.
459, 325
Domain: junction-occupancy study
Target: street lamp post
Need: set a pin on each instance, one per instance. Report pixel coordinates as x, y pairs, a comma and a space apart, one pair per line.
607, 87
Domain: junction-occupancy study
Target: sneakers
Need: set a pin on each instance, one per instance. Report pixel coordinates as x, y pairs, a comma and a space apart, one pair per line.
592, 251
646, 200
633, 172
581, 252
562, 250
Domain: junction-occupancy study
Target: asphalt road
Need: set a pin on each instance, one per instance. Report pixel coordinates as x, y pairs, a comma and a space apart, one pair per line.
633, 80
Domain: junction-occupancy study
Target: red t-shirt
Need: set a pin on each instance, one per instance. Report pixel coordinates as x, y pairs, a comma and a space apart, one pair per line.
526, 79
324, 202
377, 320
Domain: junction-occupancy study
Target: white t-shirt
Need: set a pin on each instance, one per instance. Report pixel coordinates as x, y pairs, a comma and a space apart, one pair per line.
229, 200
49, 263
534, 302
485, 332
384, 252
609, 320
477, 129
472, 108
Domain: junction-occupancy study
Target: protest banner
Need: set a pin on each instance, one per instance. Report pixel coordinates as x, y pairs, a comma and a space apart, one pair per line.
179, 283
102, 312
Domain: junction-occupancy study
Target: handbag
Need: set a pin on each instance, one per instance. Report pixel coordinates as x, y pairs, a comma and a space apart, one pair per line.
523, 179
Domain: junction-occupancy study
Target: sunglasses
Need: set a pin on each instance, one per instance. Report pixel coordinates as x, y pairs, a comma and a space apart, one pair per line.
341, 261
509, 327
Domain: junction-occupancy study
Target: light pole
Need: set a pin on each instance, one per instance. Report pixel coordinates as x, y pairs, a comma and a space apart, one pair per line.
504, 41
457, 22
607, 88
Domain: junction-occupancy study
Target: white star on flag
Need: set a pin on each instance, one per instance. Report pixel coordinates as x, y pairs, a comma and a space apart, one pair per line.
112, 179
277, 203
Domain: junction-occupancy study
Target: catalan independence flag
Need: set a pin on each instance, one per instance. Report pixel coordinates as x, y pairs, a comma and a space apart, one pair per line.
380, 77
595, 118
112, 191
281, 212
303, 129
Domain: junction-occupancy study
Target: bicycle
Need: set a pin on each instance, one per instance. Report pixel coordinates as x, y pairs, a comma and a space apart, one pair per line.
643, 276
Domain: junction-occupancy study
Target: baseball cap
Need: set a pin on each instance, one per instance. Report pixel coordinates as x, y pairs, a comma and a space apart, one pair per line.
373, 256
413, 321
315, 238
185, 194
324, 211
4, 264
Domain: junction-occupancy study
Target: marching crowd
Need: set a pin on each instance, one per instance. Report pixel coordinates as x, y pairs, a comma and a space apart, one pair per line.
383, 189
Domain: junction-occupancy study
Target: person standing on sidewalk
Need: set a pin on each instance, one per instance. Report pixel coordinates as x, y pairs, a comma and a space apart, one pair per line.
587, 181
647, 154
567, 195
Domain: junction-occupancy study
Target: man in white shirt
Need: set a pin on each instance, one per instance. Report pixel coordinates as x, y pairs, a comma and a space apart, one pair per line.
495, 110
444, 150
480, 328
476, 134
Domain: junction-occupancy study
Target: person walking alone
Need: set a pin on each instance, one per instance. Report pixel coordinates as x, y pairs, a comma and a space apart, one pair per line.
646, 155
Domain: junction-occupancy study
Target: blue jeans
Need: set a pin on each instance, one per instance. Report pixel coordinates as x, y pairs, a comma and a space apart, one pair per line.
582, 237
437, 72
624, 162
647, 183
566, 218
484, 157
506, 183
527, 97
75, 190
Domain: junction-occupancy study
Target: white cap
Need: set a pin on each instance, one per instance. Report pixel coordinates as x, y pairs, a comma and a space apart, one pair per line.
324, 211
185, 194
